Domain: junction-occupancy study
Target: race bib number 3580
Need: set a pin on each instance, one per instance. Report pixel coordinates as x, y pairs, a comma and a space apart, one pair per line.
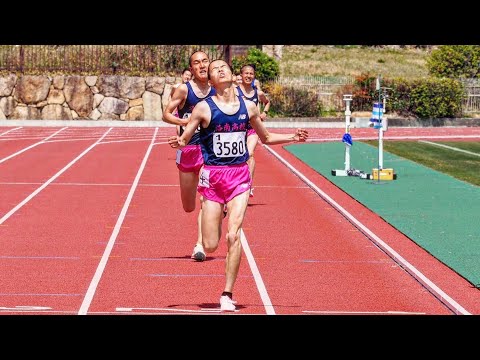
229, 144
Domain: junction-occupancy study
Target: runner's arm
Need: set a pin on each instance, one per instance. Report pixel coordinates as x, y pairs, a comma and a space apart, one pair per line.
178, 97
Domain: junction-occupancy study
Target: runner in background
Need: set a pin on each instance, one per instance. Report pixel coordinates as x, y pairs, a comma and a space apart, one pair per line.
251, 92
189, 159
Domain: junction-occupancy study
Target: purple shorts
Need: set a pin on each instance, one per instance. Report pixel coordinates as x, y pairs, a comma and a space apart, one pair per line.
251, 132
189, 159
222, 183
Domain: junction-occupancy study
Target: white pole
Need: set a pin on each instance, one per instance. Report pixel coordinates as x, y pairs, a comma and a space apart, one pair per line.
347, 99
380, 149
380, 134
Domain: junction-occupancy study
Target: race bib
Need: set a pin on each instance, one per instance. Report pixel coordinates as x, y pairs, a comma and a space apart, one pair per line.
229, 144
186, 116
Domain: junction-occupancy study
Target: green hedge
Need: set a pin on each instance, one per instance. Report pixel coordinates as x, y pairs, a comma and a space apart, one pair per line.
422, 99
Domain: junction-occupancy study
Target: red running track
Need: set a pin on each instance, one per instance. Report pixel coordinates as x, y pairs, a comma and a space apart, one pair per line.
92, 226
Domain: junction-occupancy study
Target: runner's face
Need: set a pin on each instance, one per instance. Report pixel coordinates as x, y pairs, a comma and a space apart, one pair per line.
239, 79
199, 65
220, 72
248, 75
187, 75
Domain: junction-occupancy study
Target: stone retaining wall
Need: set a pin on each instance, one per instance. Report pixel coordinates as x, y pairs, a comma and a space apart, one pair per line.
84, 97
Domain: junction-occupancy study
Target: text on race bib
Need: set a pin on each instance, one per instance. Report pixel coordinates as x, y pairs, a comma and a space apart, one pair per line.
229, 144
186, 116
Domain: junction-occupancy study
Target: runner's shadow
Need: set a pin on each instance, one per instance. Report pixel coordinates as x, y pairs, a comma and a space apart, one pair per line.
187, 257
257, 204
217, 306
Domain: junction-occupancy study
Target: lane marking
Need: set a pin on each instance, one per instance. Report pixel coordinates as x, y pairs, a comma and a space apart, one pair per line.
108, 249
448, 147
414, 272
45, 184
267, 303
25, 308
31, 146
6, 132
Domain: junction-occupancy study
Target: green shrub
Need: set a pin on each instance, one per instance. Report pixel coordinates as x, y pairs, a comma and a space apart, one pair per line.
424, 98
437, 98
266, 67
455, 61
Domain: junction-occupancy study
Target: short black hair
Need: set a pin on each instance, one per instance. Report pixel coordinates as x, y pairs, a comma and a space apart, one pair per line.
249, 65
184, 70
190, 58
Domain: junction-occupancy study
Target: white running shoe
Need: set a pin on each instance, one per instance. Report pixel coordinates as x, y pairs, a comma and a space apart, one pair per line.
227, 304
198, 253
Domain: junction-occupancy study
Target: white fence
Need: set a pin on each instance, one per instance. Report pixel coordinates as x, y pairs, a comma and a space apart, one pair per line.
328, 88
471, 103
330, 94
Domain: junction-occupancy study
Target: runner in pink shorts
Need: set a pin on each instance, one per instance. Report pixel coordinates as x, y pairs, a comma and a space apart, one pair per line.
225, 177
189, 160
222, 183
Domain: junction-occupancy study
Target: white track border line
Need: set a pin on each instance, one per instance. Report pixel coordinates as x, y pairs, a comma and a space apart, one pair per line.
449, 147
31, 146
45, 184
256, 275
108, 249
427, 283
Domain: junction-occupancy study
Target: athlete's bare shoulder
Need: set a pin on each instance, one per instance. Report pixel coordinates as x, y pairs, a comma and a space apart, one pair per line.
181, 90
249, 104
202, 113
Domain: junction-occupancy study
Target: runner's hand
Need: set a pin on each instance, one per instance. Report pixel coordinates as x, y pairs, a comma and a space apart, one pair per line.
176, 142
301, 135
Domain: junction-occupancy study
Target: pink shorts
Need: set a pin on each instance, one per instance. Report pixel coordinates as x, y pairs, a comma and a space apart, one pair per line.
222, 183
251, 132
189, 159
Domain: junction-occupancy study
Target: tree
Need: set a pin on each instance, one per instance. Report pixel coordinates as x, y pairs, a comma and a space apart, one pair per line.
455, 61
266, 67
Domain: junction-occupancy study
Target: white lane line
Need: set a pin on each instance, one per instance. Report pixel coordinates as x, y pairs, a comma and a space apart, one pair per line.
256, 275
362, 312
31, 146
202, 310
45, 184
6, 132
108, 249
124, 140
25, 308
449, 147
427, 283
